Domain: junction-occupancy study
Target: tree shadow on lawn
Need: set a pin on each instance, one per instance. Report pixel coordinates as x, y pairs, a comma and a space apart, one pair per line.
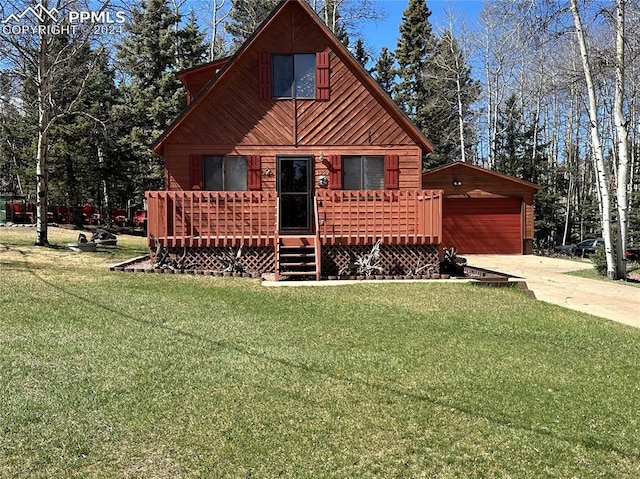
505, 421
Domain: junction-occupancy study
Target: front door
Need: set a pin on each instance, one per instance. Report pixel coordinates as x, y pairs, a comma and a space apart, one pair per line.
295, 190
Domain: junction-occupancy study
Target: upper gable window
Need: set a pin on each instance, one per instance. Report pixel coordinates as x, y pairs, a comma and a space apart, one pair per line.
294, 76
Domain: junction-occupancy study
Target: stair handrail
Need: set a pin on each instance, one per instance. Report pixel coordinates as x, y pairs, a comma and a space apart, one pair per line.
276, 241
318, 245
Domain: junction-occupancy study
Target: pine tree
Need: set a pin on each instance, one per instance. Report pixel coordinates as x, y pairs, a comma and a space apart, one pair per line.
446, 110
83, 161
384, 70
415, 45
191, 47
246, 16
17, 130
515, 145
515, 157
151, 96
360, 53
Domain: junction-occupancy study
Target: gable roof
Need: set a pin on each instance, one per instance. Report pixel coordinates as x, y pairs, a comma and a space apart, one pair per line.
212, 67
195, 78
381, 96
461, 164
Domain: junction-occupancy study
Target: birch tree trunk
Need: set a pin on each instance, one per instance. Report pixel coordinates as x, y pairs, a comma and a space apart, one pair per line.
598, 158
42, 150
218, 17
622, 139
463, 147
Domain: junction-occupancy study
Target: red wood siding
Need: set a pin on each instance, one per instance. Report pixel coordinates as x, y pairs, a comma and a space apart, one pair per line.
178, 172
482, 225
234, 118
352, 116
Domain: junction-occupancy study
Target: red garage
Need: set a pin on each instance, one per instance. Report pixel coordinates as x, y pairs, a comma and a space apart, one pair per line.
483, 212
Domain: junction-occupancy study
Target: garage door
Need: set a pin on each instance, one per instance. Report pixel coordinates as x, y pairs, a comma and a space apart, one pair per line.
482, 226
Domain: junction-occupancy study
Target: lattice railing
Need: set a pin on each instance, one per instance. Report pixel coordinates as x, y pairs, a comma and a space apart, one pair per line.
350, 217
211, 218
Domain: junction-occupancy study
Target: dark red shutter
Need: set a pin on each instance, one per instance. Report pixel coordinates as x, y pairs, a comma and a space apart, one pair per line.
392, 172
264, 75
254, 173
335, 172
195, 172
322, 76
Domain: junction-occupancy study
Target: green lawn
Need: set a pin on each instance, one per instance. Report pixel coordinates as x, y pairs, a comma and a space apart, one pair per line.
131, 375
591, 273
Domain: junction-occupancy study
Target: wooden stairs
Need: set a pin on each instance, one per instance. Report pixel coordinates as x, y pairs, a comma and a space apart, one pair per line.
297, 257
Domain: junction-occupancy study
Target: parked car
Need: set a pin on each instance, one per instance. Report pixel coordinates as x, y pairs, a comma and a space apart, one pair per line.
582, 249
632, 254
590, 246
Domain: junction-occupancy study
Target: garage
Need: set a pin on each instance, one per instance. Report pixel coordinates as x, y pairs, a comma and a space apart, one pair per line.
483, 212
482, 225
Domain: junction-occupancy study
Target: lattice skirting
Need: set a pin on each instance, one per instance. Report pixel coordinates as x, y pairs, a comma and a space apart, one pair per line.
395, 260
254, 259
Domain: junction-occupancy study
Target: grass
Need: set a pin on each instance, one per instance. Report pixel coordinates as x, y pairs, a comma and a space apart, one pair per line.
151, 376
591, 273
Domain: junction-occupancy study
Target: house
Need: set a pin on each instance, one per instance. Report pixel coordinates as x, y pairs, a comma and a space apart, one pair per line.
483, 212
292, 151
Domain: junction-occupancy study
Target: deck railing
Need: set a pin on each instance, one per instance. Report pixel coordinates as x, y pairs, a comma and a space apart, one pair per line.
395, 217
231, 218
212, 218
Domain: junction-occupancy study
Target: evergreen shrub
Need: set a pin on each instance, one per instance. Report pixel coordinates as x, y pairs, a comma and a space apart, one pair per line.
599, 260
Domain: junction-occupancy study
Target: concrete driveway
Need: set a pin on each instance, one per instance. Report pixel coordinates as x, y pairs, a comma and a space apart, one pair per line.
544, 276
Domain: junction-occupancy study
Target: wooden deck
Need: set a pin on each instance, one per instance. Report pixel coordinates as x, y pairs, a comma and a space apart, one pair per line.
216, 218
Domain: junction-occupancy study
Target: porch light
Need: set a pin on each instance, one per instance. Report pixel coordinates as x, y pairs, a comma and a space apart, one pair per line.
457, 182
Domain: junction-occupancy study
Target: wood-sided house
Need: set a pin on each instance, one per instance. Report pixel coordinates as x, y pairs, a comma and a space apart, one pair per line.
290, 149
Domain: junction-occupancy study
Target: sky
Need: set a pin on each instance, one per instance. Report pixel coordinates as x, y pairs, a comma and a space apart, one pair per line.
385, 33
